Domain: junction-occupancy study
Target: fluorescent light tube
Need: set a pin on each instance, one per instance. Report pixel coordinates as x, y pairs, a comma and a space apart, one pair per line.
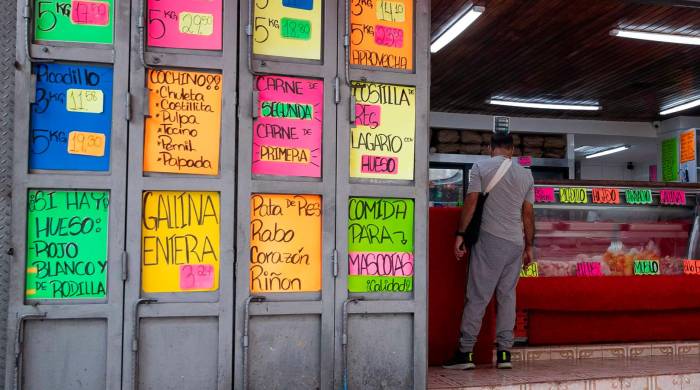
609, 151
648, 36
681, 107
547, 106
456, 28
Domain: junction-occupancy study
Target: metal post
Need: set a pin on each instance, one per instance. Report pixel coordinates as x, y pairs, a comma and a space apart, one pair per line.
244, 341
344, 340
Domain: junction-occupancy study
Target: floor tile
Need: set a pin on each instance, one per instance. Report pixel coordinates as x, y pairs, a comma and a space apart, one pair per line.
636, 351
644, 383
691, 382
613, 352
688, 349
663, 349
562, 353
604, 384
593, 352
668, 382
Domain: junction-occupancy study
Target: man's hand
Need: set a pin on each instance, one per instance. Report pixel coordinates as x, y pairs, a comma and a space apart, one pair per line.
460, 250
528, 255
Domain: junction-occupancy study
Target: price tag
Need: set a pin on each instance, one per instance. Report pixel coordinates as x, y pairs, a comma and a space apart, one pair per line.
525, 161
544, 195
196, 24
296, 29
196, 277
646, 267
573, 195
92, 13
672, 197
531, 271
691, 267
638, 196
87, 144
605, 195
391, 11
85, 100
588, 268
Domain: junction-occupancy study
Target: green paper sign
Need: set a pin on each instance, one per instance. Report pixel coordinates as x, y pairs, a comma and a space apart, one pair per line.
638, 196
79, 21
67, 244
531, 271
669, 159
646, 267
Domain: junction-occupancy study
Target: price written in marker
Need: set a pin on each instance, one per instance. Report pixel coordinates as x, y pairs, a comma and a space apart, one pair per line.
573, 195
196, 24
544, 195
646, 267
605, 195
638, 196
87, 144
691, 267
672, 197
85, 100
588, 268
94, 13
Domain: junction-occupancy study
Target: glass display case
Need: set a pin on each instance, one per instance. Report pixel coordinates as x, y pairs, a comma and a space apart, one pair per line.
446, 186
574, 238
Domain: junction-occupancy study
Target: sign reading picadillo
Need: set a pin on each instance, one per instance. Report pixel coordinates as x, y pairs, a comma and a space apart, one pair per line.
380, 245
67, 235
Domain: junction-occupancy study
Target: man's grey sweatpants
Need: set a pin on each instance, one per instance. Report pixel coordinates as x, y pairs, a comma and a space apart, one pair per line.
494, 266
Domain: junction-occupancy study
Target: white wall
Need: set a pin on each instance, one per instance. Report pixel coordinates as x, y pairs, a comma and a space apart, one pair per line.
614, 171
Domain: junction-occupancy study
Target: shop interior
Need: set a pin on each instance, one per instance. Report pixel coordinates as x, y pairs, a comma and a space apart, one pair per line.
603, 99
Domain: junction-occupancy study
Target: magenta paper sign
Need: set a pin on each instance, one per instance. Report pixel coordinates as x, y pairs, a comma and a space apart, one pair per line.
192, 24
672, 197
381, 263
288, 133
196, 276
588, 268
95, 13
525, 161
544, 195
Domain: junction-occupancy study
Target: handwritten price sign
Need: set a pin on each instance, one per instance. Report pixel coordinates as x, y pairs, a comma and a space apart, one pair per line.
638, 196
672, 197
605, 195
544, 195
381, 34
73, 21
573, 195
287, 28
193, 24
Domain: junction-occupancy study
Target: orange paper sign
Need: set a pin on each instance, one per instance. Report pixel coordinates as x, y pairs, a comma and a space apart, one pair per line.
605, 195
182, 134
285, 243
688, 146
87, 144
381, 34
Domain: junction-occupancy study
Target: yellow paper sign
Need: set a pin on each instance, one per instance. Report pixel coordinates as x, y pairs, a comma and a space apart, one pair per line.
381, 34
180, 241
288, 28
182, 133
285, 243
85, 100
87, 144
688, 146
382, 143
196, 24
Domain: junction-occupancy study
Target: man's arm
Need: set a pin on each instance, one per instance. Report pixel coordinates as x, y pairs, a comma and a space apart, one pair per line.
465, 218
529, 230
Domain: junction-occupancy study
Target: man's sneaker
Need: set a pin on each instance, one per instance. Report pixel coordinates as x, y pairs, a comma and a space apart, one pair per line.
503, 360
461, 361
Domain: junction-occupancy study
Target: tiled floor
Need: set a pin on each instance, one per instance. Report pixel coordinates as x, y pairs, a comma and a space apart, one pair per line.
640, 373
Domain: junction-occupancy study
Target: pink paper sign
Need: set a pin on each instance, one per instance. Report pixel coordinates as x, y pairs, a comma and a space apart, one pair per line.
95, 13
525, 161
193, 24
544, 194
588, 268
672, 197
388, 36
368, 115
381, 263
380, 164
196, 276
288, 133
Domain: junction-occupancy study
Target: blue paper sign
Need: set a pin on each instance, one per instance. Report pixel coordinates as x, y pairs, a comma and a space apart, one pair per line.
71, 118
300, 4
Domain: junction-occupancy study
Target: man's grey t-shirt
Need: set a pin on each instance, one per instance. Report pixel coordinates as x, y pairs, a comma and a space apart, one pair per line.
503, 209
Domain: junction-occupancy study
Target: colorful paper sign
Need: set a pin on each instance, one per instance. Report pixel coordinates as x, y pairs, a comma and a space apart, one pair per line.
688, 146
285, 243
691, 267
76, 21
288, 28
672, 197
525, 161
669, 159
647, 267
605, 195
380, 245
531, 271
87, 144
573, 195
183, 131
381, 34
67, 100
193, 24
638, 196
588, 268
180, 241
653, 173
67, 240
288, 132
382, 144
544, 195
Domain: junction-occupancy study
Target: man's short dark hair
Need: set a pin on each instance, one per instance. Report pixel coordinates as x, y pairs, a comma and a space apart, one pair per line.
501, 140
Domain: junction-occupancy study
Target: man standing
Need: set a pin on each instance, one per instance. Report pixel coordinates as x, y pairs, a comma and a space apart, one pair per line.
504, 245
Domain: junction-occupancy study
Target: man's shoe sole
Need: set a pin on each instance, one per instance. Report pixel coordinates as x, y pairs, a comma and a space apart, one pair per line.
505, 366
465, 366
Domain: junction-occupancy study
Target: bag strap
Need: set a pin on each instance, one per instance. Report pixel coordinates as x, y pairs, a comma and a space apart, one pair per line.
502, 170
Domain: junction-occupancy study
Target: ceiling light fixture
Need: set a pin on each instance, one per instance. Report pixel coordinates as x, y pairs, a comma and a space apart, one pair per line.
681, 107
546, 106
609, 151
469, 15
657, 37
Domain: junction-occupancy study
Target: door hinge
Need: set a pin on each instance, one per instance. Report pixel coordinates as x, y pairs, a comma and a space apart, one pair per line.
335, 263
125, 266
336, 89
254, 106
32, 88
353, 114
146, 102
127, 107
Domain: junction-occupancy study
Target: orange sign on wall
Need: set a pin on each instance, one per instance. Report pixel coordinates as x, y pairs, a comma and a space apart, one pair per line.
688, 146
381, 34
